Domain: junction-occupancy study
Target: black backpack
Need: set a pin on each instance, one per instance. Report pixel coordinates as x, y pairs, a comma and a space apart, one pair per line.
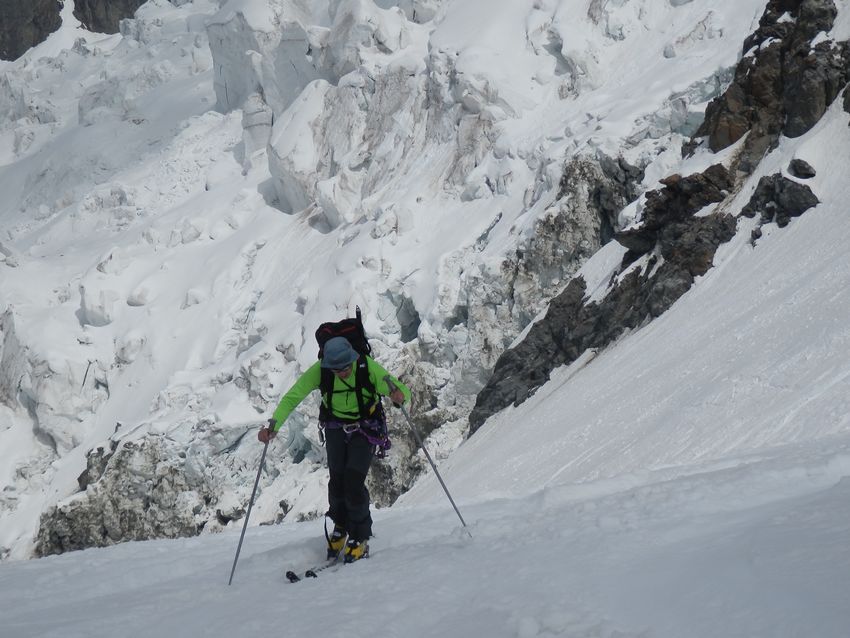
351, 329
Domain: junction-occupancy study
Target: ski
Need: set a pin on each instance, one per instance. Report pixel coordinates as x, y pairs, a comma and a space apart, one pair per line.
292, 577
313, 572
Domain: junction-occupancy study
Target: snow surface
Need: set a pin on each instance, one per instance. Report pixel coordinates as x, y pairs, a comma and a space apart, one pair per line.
745, 547
691, 480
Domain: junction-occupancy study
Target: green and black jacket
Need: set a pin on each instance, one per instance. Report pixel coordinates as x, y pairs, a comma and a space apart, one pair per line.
344, 405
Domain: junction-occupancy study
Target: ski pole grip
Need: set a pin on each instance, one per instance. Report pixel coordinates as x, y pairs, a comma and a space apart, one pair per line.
393, 387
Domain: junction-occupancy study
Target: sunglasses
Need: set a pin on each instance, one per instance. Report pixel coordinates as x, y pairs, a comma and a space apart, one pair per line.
341, 370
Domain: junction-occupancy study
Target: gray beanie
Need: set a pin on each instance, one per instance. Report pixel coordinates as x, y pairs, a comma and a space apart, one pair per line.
338, 354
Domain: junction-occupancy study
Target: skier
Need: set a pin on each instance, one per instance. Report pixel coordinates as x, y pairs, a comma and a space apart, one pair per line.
352, 420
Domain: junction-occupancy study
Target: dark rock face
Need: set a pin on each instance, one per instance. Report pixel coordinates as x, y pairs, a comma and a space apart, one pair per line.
613, 194
104, 16
778, 199
783, 85
25, 23
523, 369
801, 169
571, 326
680, 198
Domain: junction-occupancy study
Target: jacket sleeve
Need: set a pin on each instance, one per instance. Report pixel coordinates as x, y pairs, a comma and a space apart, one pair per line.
378, 374
305, 384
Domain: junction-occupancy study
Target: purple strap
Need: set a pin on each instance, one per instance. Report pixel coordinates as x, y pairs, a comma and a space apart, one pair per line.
365, 427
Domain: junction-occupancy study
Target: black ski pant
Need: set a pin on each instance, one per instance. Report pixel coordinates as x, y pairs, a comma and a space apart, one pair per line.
348, 465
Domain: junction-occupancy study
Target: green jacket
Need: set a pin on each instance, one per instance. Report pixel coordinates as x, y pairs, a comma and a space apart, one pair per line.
345, 398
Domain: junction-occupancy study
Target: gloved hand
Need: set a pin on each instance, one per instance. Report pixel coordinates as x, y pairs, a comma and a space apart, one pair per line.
267, 434
397, 397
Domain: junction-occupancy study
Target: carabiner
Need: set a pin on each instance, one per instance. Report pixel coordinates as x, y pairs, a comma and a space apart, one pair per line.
351, 428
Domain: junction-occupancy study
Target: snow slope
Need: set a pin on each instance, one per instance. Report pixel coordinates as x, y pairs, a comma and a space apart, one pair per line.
745, 546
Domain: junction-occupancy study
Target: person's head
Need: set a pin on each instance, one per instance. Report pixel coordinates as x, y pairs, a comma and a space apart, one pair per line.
338, 355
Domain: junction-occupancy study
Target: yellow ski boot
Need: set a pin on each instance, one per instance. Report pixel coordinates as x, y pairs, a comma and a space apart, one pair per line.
355, 550
336, 541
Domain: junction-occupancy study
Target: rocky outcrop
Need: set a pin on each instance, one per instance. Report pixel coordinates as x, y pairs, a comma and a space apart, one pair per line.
673, 206
25, 23
677, 247
146, 496
489, 307
674, 244
779, 199
801, 169
104, 16
786, 80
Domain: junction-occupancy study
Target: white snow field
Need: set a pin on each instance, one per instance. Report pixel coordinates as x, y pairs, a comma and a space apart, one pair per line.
743, 547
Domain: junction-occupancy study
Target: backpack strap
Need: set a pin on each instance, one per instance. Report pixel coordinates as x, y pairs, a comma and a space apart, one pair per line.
361, 382
360, 371
326, 387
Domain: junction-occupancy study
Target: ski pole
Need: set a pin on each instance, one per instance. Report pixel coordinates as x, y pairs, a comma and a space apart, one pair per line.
416, 436
248, 513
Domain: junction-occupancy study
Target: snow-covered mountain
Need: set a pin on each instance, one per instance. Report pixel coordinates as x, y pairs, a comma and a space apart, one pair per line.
604, 236
185, 201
